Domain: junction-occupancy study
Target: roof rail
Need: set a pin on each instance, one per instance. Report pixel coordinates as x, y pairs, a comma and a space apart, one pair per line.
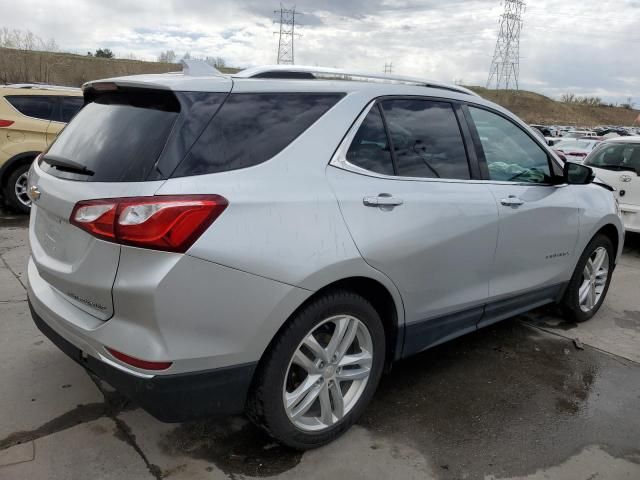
42, 86
302, 72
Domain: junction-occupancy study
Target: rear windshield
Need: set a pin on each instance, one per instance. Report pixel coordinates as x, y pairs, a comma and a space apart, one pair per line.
251, 128
132, 136
117, 137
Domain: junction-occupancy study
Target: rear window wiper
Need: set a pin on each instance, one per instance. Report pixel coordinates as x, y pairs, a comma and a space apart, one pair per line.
66, 165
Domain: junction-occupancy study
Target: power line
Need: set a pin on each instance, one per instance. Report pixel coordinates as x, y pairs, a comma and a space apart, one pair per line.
287, 33
505, 66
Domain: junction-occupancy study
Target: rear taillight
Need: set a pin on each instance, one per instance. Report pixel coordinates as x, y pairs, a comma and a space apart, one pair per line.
6, 123
576, 154
171, 223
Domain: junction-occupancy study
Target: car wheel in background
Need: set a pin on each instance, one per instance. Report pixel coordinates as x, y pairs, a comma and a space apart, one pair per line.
590, 281
16, 190
320, 372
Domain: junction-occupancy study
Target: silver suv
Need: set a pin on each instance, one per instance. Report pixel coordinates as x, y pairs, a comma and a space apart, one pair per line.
271, 241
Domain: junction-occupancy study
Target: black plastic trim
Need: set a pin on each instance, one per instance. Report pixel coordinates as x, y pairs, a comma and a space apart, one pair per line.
169, 398
424, 334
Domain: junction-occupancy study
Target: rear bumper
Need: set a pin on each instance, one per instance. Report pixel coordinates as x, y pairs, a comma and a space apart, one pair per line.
169, 398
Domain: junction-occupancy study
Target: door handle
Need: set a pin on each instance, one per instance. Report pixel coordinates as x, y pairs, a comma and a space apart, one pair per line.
382, 200
511, 201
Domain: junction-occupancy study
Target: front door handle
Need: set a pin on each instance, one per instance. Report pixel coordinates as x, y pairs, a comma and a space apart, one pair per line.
382, 200
511, 201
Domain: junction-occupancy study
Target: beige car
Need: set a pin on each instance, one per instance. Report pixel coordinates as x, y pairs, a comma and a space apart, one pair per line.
31, 116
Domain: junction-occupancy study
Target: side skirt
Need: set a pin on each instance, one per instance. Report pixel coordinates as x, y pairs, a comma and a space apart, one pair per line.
425, 334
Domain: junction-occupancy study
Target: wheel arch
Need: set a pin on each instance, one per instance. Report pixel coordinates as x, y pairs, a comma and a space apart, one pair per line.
381, 298
23, 158
610, 231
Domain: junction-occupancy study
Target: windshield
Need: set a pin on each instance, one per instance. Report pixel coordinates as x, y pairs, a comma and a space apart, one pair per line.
616, 157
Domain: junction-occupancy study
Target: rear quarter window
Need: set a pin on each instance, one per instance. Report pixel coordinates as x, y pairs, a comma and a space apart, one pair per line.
251, 128
69, 106
35, 106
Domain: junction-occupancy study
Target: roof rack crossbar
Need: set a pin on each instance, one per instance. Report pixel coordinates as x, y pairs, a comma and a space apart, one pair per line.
296, 71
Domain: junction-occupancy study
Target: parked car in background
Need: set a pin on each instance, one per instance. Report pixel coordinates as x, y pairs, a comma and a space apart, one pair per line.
31, 116
579, 134
617, 163
546, 131
576, 150
272, 241
551, 141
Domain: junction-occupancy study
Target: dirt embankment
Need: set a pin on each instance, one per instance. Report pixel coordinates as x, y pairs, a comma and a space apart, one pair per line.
536, 108
19, 66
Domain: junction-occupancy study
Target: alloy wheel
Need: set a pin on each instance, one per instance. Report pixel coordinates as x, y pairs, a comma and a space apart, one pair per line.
328, 373
594, 279
21, 190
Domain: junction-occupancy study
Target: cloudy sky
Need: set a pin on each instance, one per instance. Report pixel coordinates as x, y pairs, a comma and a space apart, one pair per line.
588, 47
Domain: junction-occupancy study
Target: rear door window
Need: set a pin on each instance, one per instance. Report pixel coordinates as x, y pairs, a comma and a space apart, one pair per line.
426, 139
369, 148
35, 106
251, 128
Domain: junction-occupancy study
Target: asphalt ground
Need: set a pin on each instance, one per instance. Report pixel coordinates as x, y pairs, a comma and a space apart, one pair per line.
532, 397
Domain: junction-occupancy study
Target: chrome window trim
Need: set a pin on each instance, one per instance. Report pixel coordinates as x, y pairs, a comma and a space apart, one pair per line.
339, 160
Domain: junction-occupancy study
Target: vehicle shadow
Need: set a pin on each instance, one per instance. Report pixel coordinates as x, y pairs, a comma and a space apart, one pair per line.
505, 400
632, 244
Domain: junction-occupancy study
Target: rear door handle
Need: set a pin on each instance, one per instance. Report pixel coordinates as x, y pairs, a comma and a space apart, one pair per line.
382, 200
511, 201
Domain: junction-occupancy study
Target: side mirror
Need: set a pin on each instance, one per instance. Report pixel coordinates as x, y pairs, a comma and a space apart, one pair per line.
578, 174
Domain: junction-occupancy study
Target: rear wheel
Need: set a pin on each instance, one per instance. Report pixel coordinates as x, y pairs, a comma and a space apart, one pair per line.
590, 282
321, 371
16, 189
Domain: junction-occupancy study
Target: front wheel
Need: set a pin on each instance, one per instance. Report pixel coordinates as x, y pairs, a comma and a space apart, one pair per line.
321, 371
590, 281
16, 190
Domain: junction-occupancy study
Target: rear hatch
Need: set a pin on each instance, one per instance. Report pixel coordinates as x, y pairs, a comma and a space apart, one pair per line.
124, 143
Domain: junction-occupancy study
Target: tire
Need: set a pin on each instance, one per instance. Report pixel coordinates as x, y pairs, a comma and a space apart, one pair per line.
12, 199
575, 310
320, 317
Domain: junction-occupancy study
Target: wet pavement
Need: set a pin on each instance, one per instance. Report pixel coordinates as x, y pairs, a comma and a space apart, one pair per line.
531, 397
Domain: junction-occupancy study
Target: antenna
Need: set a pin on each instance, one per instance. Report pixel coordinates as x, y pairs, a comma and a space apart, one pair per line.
286, 34
505, 66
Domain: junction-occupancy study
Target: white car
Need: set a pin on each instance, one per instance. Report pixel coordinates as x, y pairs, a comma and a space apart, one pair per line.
579, 134
576, 150
617, 163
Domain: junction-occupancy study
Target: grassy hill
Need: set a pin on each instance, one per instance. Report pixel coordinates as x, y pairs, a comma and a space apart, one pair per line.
535, 108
